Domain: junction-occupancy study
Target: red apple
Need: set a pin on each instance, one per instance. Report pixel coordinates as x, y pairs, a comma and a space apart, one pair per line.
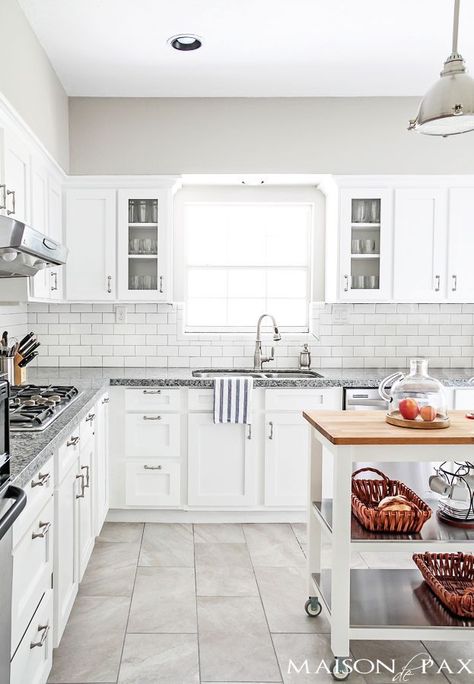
409, 408
428, 413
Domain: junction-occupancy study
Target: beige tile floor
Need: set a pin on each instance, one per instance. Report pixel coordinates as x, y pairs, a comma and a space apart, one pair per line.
195, 604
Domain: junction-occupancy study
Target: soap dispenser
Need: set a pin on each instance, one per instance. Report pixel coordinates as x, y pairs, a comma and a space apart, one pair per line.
305, 357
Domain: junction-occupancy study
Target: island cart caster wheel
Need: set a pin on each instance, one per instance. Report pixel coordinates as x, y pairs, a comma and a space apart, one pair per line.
339, 671
313, 607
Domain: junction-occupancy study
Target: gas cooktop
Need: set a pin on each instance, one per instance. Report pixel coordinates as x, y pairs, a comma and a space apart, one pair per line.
34, 407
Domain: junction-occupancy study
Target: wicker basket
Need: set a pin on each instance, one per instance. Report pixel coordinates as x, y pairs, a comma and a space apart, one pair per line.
367, 494
451, 577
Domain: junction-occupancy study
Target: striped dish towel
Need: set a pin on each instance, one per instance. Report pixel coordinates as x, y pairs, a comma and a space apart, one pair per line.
233, 400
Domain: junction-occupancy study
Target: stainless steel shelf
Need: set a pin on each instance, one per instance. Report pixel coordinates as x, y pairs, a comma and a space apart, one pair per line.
388, 599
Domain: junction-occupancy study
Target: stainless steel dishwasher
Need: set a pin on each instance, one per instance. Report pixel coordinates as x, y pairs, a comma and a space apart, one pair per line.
415, 475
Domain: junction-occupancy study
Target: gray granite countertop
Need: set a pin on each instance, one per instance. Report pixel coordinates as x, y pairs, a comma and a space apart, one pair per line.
31, 450
182, 377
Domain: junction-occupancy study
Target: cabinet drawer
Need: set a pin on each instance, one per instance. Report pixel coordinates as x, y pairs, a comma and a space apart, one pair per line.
302, 400
68, 452
152, 399
153, 483
34, 657
32, 568
152, 435
201, 400
87, 426
38, 490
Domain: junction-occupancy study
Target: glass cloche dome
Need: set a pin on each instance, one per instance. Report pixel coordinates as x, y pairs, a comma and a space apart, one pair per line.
416, 396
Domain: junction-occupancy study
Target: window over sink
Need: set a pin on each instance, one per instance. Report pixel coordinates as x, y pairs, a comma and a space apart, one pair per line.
245, 258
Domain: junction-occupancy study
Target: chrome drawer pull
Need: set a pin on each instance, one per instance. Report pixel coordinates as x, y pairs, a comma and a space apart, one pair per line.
44, 636
106, 400
82, 494
44, 527
249, 431
147, 467
109, 284
73, 441
152, 391
90, 417
270, 436
13, 196
87, 469
43, 479
151, 417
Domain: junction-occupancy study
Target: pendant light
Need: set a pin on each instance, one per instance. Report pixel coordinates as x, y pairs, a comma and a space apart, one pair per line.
448, 107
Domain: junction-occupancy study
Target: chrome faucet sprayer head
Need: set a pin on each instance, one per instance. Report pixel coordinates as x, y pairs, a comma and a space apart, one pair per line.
276, 334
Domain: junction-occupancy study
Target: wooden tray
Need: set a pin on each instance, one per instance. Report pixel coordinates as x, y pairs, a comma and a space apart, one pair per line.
436, 424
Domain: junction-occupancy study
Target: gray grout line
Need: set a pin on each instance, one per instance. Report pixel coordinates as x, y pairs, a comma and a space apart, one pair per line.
130, 605
263, 608
196, 602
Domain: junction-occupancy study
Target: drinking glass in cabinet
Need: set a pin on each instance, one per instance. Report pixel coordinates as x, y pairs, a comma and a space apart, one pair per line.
358, 282
368, 246
142, 282
371, 282
355, 246
143, 211
365, 211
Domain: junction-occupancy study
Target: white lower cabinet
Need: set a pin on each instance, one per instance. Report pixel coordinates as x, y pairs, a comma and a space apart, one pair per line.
85, 518
152, 483
33, 658
101, 464
222, 463
286, 459
152, 435
66, 581
32, 570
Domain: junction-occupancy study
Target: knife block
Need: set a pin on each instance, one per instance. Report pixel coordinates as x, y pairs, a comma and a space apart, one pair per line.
20, 373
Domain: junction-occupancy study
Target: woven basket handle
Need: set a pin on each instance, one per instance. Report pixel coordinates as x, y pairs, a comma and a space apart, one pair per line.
371, 470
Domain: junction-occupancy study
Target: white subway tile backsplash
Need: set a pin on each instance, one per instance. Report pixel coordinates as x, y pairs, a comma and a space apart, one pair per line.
350, 335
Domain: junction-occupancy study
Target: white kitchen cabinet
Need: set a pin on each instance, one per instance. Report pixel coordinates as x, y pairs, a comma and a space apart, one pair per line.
464, 399
91, 239
365, 228
153, 483
41, 282
85, 516
222, 463
286, 459
420, 245
152, 435
66, 581
33, 659
55, 231
101, 463
15, 177
144, 244
460, 281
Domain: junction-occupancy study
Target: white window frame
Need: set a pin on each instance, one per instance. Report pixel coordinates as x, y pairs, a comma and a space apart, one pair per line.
250, 329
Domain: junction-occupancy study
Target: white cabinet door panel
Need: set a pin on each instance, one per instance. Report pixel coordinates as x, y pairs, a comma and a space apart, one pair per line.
86, 534
66, 580
91, 239
33, 660
152, 435
55, 231
16, 166
153, 483
101, 464
222, 463
420, 245
461, 245
286, 459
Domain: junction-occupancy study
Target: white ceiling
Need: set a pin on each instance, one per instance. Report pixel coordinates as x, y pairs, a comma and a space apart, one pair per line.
250, 47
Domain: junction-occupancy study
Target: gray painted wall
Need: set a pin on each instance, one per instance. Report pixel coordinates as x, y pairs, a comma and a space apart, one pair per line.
322, 135
30, 84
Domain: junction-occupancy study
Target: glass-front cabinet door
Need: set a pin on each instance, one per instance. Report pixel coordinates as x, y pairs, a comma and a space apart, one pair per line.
365, 244
144, 244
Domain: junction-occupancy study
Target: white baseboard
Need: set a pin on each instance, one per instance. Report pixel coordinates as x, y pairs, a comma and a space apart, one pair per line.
173, 516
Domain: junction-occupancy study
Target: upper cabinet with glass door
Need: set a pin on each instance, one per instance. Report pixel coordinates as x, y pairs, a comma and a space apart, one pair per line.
144, 240
365, 245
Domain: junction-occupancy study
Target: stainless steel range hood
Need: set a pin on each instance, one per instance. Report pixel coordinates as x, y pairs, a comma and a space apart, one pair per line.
24, 251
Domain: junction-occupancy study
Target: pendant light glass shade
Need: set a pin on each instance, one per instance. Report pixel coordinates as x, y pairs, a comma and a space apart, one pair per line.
448, 107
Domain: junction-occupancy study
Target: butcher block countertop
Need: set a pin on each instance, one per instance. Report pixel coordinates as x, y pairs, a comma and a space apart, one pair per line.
369, 427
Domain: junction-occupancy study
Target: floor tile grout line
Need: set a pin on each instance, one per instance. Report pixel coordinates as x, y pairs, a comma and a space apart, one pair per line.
196, 602
263, 608
434, 659
130, 604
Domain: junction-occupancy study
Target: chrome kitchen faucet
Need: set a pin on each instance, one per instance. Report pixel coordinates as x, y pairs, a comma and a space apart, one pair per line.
258, 359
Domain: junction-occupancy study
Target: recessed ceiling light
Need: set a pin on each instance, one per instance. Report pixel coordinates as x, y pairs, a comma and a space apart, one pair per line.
185, 42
